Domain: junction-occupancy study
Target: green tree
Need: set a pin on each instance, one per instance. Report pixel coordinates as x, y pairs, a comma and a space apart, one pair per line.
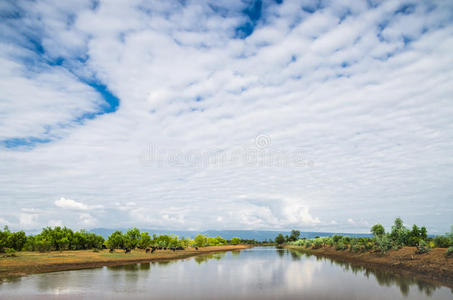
132, 237
200, 240
399, 234
235, 241
294, 236
377, 230
423, 233
4, 238
280, 239
116, 240
145, 240
221, 240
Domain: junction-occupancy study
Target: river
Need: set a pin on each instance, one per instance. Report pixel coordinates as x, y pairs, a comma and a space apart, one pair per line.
257, 273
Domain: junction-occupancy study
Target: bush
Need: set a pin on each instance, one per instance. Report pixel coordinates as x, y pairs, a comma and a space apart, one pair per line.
399, 234
235, 241
441, 241
42, 246
341, 246
317, 243
383, 244
449, 251
10, 252
336, 238
423, 247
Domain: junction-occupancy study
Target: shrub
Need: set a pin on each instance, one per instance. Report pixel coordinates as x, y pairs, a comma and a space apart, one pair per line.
355, 248
235, 241
329, 241
308, 243
449, 251
341, 246
317, 243
383, 244
42, 246
399, 234
377, 230
441, 241
336, 238
423, 247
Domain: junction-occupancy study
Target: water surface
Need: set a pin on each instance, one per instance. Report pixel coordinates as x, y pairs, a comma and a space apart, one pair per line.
258, 273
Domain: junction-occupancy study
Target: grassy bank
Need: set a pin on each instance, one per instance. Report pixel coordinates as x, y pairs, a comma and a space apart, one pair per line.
433, 266
26, 262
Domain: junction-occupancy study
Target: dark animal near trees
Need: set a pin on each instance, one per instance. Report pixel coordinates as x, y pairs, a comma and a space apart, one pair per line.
196, 248
111, 250
104, 246
127, 250
147, 250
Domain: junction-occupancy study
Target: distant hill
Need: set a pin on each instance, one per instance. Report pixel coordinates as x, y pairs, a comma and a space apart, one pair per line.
259, 235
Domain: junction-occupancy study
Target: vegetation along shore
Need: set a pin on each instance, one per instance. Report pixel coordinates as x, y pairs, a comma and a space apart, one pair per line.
402, 250
60, 248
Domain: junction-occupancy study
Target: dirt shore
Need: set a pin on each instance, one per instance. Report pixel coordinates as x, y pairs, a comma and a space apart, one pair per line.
34, 262
433, 266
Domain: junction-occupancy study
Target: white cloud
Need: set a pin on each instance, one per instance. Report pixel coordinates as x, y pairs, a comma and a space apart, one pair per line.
70, 204
371, 112
87, 220
28, 221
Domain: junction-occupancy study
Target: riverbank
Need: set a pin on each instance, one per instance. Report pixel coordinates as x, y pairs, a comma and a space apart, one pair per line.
433, 266
35, 262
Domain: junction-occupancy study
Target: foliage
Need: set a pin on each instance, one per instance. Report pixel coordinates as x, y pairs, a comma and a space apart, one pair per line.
63, 238
317, 243
341, 245
280, 239
399, 234
423, 247
235, 241
144, 241
294, 235
200, 240
132, 238
116, 240
441, 241
449, 251
377, 230
383, 243
336, 238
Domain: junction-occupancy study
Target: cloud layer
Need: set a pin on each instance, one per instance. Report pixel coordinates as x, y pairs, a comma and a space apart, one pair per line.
361, 90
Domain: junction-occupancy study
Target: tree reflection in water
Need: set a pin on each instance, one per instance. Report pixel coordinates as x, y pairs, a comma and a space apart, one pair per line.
204, 258
383, 277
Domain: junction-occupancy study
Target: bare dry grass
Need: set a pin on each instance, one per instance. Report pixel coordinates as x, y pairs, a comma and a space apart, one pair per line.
34, 262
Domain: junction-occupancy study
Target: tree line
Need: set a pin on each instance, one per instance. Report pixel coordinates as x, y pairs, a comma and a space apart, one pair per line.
381, 242
63, 238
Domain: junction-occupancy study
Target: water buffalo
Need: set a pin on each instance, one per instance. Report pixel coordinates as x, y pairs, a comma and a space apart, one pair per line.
111, 250
127, 250
154, 249
196, 248
147, 250
180, 248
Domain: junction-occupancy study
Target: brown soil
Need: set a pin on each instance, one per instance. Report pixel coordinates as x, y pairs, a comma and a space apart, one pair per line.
433, 266
34, 262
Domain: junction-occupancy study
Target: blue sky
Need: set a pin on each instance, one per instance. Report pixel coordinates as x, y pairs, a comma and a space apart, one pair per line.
316, 115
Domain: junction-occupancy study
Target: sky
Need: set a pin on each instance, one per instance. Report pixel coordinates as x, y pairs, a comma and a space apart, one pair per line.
315, 115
